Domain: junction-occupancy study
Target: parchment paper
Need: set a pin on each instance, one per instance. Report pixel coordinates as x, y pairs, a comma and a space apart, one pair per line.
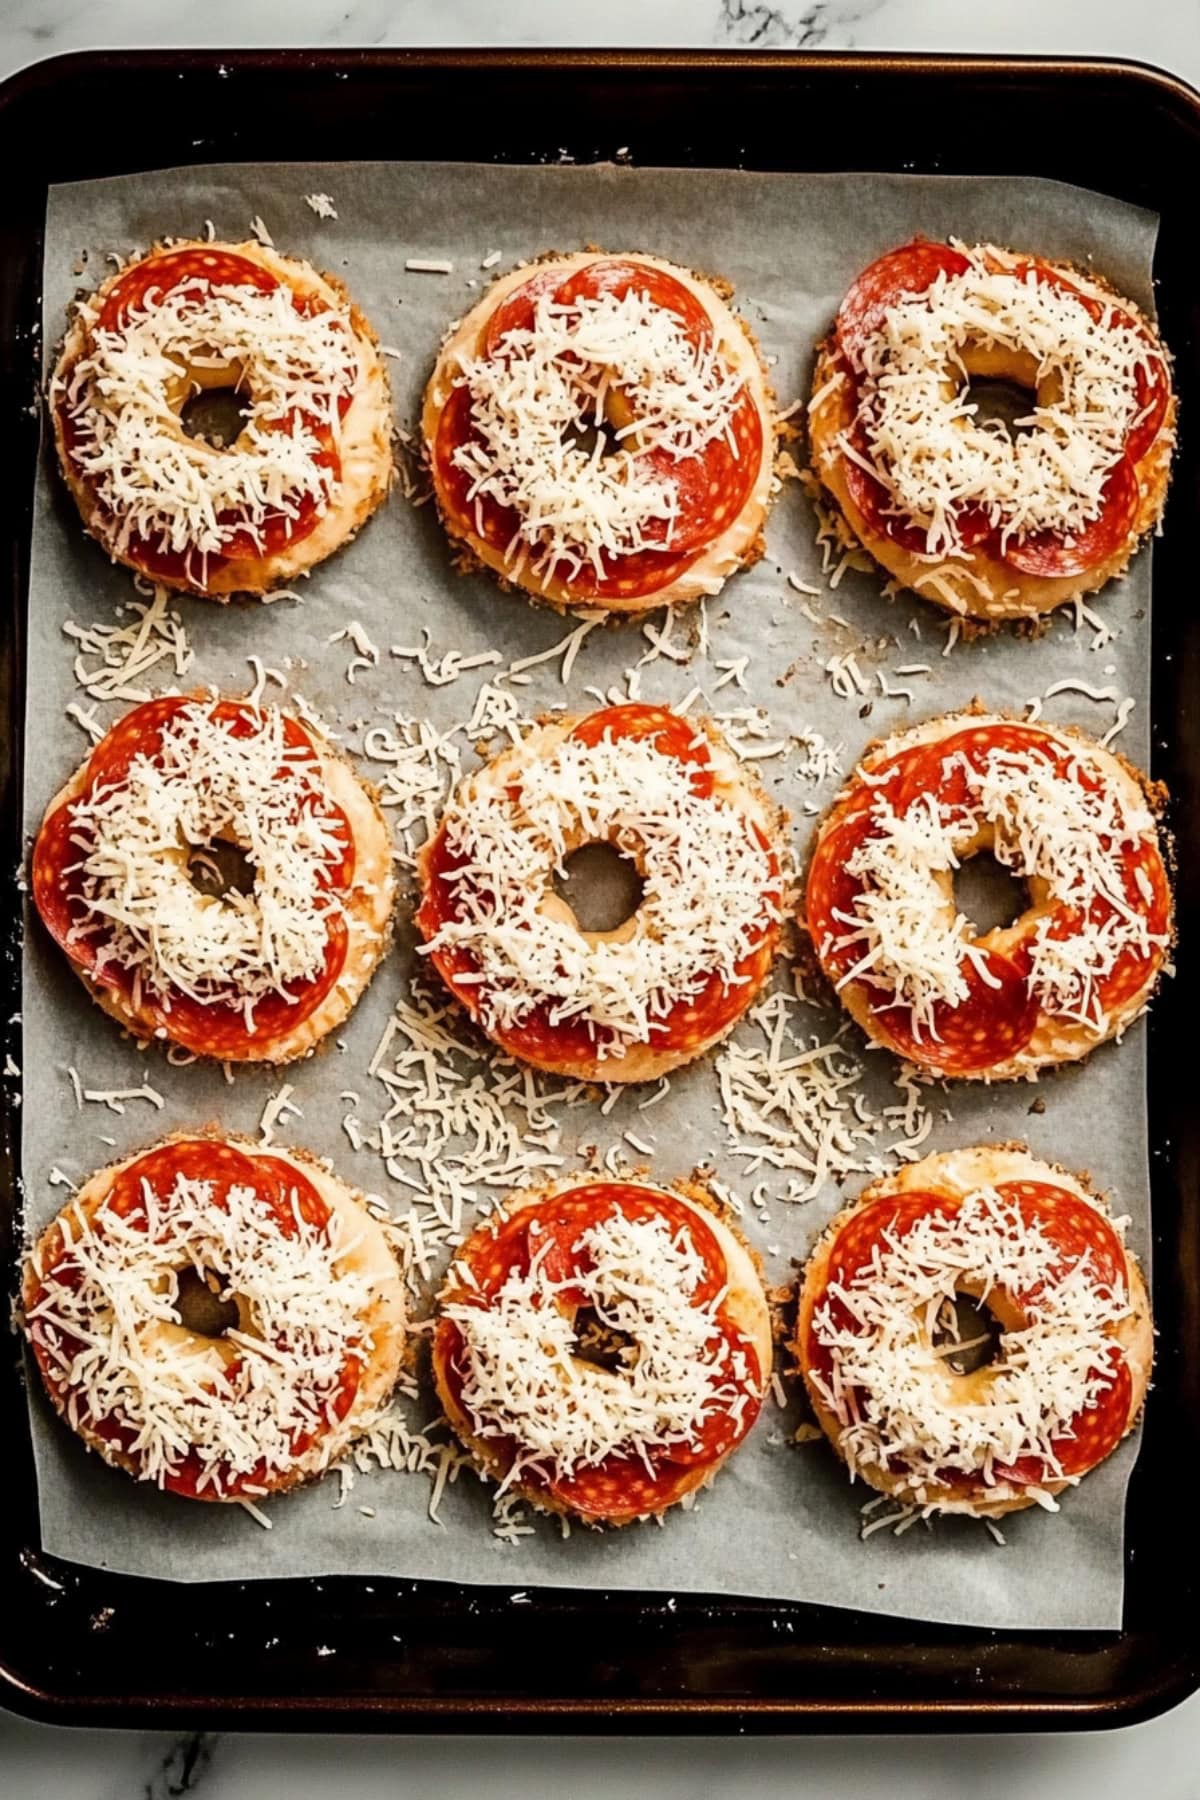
782, 1520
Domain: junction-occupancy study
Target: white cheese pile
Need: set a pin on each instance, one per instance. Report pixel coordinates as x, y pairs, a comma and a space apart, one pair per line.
540, 407
706, 880
522, 1380
180, 493
235, 1402
199, 785
794, 1103
901, 1407
934, 456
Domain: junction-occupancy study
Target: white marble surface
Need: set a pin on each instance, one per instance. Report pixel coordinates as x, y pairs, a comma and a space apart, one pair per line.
41, 1763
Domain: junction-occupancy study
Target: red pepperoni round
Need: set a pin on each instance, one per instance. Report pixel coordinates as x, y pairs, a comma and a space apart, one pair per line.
671, 734
620, 276
156, 276
1075, 1228
631, 577
215, 1027
1043, 275
938, 768
620, 1489
1049, 555
853, 1251
560, 1222
1153, 387
518, 311
1134, 968
989, 1027
710, 488
899, 275
872, 500
478, 513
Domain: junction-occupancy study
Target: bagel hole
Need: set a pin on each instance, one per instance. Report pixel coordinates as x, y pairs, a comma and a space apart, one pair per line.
199, 1306
988, 894
215, 415
601, 1344
587, 437
219, 869
999, 402
969, 1323
601, 886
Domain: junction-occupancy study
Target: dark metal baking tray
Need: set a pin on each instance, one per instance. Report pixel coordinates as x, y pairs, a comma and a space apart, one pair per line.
83, 1646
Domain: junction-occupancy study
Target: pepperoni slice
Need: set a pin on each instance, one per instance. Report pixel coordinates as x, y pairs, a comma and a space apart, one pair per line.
1134, 968
561, 1222
1153, 386
218, 1028
670, 732
1046, 554
1074, 1227
943, 768
990, 1026
632, 577
873, 501
1043, 275
710, 488
157, 276
619, 276
899, 275
478, 513
518, 312
853, 1250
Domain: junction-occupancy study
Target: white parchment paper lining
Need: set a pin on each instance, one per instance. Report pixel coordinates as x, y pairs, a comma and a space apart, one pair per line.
782, 1520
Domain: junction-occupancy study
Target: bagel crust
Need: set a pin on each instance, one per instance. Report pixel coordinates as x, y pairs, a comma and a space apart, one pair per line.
366, 911
1055, 1037
358, 1256
954, 1176
363, 437
744, 1307
736, 546
978, 584
692, 1027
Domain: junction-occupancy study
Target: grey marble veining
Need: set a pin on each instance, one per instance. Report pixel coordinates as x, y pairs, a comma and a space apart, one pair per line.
40, 1763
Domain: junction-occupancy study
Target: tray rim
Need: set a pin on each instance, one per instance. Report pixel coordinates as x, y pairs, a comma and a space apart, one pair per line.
390, 1711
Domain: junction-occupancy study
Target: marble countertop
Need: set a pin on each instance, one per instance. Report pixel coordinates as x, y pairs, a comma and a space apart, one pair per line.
43, 1763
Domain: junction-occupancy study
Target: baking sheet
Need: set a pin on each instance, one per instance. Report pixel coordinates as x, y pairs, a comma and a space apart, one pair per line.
781, 1521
